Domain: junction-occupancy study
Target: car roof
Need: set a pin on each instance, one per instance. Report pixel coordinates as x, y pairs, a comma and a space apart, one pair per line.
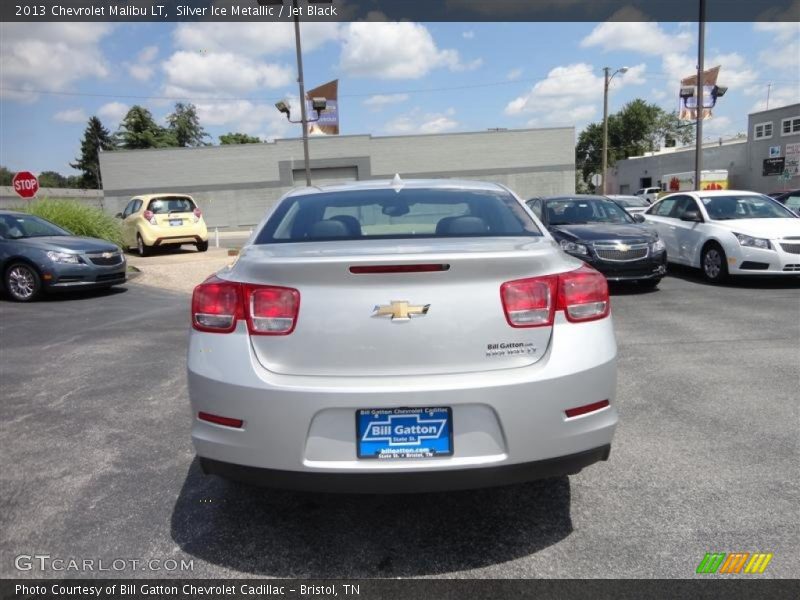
148, 197
575, 197
376, 184
713, 193
12, 212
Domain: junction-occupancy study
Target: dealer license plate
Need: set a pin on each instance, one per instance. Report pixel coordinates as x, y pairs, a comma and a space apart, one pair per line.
389, 433
176, 222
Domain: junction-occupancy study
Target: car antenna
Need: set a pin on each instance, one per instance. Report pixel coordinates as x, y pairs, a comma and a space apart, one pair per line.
397, 183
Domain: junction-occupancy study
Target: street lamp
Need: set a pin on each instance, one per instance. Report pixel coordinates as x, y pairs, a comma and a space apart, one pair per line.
318, 105
303, 115
608, 77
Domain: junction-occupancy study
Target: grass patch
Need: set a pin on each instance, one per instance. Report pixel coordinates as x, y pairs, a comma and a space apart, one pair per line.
77, 218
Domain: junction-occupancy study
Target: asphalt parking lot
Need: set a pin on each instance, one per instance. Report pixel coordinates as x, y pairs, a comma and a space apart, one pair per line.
97, 461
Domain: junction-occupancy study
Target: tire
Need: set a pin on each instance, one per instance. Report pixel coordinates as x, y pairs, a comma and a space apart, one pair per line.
649, 284
22, 282
140, 246
714, 263
202, 246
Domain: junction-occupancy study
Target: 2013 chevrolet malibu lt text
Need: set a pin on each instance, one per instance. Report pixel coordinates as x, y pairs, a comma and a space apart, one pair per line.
401, 336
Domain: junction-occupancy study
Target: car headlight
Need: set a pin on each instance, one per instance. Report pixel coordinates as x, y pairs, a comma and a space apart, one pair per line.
63, 258
753, 242
659, 246
574, 248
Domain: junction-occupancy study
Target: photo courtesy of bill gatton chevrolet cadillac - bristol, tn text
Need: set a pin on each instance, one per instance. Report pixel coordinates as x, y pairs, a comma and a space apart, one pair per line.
401, 336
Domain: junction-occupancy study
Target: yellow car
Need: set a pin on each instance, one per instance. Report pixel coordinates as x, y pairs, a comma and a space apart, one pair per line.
163, 220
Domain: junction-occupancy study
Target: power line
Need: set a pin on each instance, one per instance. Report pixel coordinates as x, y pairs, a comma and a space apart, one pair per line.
655, 76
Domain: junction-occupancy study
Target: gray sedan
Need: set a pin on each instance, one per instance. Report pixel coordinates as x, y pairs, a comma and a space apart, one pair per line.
401, 336
37, 256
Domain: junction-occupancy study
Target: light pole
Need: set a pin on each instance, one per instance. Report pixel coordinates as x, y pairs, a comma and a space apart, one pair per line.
606, 82
300, 82
701, 43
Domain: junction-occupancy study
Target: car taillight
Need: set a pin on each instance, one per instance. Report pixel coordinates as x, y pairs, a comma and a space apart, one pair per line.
268, 310
197, 214
583, 295
216, 305
149, 215
271, 310
529, 302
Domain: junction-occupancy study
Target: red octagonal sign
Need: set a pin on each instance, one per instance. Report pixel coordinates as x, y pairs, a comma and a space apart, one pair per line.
25, 184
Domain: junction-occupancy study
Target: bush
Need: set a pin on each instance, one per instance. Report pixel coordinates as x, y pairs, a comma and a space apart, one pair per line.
78, 218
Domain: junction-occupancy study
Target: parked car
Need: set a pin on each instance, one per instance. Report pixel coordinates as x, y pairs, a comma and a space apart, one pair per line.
790, 200
599, 232
632, 204
163, 220
401, 336
38, 256
648, 193
728, 232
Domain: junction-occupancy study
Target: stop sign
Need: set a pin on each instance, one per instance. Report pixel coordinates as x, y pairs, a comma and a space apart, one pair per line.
25, 184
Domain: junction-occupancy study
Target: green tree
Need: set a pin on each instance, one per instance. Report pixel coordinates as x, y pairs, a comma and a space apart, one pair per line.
139, 130
5, 176
96, 139
238, 138
52, 179
637, 128
184, 124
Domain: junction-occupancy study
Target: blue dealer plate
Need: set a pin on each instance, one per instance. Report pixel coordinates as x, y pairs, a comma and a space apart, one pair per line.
176, 222
387, 433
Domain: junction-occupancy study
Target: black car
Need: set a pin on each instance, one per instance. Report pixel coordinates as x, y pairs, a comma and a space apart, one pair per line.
599, 232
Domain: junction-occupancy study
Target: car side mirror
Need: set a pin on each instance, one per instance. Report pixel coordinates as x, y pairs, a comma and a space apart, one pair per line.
639, 218
118, 216
692, 215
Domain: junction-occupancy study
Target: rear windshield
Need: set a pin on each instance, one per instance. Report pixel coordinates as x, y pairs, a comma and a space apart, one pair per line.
631, 201
171, 204
387, 214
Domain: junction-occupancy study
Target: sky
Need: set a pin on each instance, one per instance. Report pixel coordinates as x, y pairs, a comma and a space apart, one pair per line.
395, 78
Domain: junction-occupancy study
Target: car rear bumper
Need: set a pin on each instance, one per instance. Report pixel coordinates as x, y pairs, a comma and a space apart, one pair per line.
161, 236
407, 482
301, 429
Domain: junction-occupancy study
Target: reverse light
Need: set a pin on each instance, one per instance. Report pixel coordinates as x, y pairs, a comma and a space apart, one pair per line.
271, 310
150, 216
586, 409
217, 306
752, 242
529, 302
219, 420
583, 295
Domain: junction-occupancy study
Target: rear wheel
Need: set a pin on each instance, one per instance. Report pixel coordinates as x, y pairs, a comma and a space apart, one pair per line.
202, 246
22, 282
714, 263
140, 246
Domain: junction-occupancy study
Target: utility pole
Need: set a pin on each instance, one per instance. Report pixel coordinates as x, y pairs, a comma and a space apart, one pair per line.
604, 168
701, 42
303, 111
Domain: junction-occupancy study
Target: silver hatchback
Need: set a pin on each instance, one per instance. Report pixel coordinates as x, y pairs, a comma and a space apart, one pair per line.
401, 336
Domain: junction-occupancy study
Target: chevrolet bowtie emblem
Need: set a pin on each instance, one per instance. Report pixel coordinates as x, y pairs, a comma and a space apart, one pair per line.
623, 247
400, 310
107, 255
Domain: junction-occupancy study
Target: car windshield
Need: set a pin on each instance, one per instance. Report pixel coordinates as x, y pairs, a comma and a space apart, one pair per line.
388, 214
631, 201
15, 227
577, 211
726, 208
168, 204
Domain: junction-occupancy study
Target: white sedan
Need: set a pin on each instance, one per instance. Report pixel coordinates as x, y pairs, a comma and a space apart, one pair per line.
728, 232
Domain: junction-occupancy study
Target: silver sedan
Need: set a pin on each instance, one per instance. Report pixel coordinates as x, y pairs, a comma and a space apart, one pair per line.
401, 336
